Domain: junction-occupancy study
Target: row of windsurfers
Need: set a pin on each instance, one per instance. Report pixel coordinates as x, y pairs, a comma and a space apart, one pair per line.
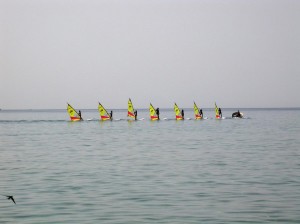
237, 114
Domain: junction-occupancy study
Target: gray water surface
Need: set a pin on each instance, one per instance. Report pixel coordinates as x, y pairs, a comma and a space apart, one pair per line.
206, 171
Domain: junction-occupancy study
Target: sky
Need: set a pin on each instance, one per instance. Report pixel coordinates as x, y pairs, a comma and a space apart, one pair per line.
237, 53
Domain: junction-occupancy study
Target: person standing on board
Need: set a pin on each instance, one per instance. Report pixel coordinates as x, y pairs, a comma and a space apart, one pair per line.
157, 112
135, 114
237, 114
182, 114
220, 113
111, 115
200, 112
79, 113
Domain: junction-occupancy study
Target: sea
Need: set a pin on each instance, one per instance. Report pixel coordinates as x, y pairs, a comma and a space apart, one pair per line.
191, 171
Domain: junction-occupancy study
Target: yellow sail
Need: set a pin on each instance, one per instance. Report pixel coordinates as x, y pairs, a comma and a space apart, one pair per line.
153, 115
103, 113
177, 112
130, 112
197, 112
217, 111
74, 116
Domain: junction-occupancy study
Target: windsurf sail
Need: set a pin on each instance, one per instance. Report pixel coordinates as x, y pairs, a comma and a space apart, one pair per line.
197, 112
130, 112
153, 115
217, 112
103, 113
74, 116
177, 112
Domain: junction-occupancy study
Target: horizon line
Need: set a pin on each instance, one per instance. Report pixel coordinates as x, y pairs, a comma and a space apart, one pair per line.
162, 108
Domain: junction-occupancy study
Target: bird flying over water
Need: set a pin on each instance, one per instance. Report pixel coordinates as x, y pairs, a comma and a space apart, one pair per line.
10, 197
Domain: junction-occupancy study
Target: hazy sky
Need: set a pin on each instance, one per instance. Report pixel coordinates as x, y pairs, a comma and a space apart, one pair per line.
237, 53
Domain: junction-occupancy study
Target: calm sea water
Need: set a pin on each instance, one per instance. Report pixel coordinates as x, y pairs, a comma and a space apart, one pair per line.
207, 171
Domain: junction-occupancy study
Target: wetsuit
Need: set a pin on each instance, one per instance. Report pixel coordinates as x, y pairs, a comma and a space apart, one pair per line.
135, 115
157, 112
79, 113
237, 114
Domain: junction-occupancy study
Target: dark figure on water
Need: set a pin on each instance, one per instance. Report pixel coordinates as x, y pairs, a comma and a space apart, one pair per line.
157, 112
182, 114
79, 113
111, 115
200, 112
220, 112
237, 114
135, 114
9, 197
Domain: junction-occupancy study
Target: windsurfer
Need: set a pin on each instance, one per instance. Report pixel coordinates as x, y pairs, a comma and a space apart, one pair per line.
220, 112
135, 114
157, 113
182, 114
111, 115
237, 114
79, 113
200, 112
